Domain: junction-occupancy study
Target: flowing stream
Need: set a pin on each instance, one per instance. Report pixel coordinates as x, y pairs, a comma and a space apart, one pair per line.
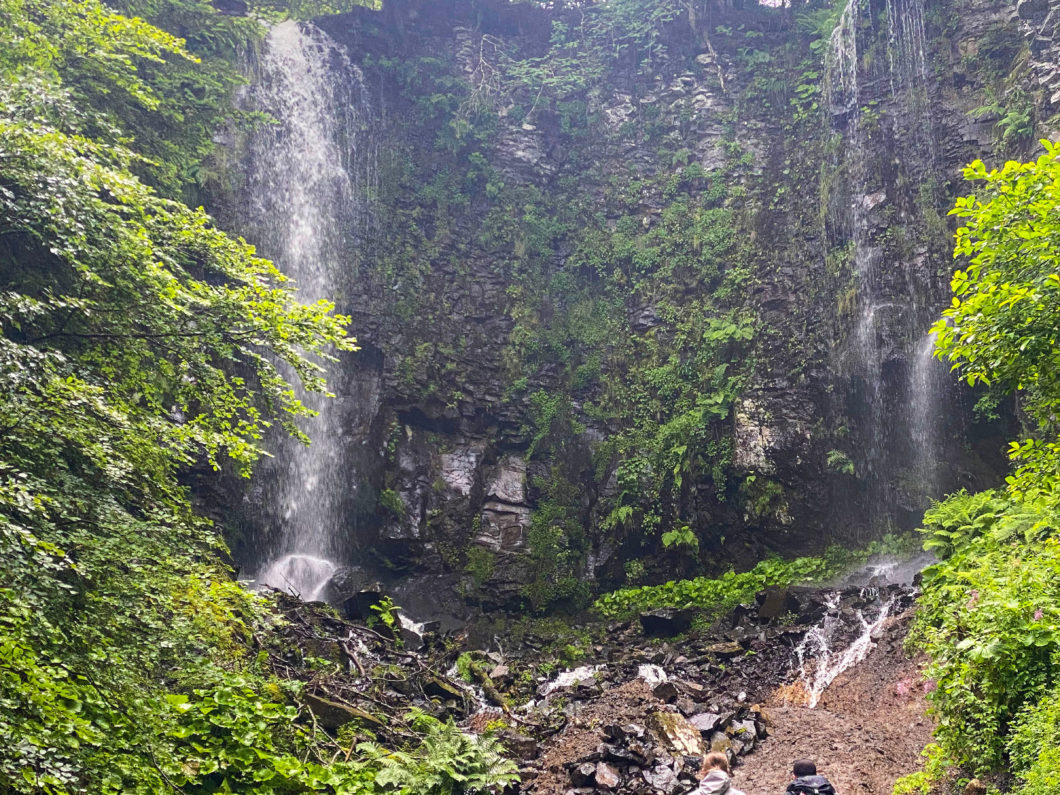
821, 656
303, 209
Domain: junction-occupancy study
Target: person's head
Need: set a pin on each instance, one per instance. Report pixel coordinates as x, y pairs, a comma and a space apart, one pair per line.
803, 767
716, 761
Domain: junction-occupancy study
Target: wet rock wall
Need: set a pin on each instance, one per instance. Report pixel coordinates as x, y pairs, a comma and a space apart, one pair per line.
525, 363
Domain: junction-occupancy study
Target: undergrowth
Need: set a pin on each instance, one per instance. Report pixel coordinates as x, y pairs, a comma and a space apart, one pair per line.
716, 595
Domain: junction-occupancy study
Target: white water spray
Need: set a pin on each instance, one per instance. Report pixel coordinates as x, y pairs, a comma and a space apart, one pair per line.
819, 646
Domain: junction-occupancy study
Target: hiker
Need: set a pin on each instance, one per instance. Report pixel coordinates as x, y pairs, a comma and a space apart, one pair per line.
716, 779
805, 780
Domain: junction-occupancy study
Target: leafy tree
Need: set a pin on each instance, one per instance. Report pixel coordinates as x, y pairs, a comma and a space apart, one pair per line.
1002, 326
136, 339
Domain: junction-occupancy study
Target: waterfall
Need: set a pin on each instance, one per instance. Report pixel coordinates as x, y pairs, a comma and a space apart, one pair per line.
303, 208
842, 71
927, 382
884, 356
906, 44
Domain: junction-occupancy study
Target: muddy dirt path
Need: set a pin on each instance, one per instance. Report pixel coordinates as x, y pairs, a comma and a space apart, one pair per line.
868, 730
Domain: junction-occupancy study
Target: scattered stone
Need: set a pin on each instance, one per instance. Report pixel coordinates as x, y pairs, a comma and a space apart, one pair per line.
583, 775
686, 706
662, 777
435, 687
775, 603
501, 674
706, 722
666, 691
720, 743
725, 649
519, 744
606, 776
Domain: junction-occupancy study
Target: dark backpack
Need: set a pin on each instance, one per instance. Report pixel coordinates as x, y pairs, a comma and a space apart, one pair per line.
818, 786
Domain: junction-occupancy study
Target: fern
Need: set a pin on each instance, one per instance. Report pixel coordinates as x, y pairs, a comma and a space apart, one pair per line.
447, 762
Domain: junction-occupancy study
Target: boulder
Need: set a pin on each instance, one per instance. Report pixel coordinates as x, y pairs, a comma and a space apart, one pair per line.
725, 649
663, 778
436, 687
519, 745
676, 733
720, 743
776, 603
583, 775
1033, 11
358, 607
666, 691
606, 776
706, 722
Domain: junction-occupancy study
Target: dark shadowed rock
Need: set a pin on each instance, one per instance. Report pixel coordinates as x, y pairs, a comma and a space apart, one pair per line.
583, 775
519, 745
1033, 11
666, 622
358, 607
775, 603
666, 691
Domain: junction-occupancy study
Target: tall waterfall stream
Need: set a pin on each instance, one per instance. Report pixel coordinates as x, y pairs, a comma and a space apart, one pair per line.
302, 209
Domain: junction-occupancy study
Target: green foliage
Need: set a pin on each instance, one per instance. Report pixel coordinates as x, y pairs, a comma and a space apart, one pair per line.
718, 595
681, 537
1034, 747
464, 665
840, 462
580, 263
1001, 327
448, 761
387, 612
138, 341
937, 769
391, 502
989, 619
988, 616
480, 564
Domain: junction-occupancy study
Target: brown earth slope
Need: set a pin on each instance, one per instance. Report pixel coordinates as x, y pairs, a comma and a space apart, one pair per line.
868, 729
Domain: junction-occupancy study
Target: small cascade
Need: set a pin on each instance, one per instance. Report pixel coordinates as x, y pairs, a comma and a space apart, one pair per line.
304, 207
842, 73
906, 44
303, 575
822, 656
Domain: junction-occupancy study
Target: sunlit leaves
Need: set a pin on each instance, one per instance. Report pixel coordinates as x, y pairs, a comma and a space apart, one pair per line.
136, 340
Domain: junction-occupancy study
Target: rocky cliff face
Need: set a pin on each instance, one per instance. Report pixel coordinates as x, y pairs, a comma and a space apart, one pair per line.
642, 295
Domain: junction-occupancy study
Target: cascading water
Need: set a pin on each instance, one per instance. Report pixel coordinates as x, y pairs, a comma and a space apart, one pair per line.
895, 298
303, 209
820, 657
906, 44
928, 380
